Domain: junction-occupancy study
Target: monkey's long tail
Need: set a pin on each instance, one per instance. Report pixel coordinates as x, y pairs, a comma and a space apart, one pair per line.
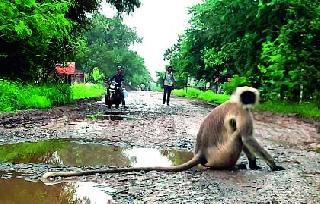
191, 163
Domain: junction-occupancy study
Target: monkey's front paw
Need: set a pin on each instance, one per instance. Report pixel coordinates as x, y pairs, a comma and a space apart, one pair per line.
253, 165
278, 168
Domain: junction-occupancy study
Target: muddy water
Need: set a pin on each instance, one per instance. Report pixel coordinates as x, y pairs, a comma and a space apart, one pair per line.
19, 191
14, 189
73, 153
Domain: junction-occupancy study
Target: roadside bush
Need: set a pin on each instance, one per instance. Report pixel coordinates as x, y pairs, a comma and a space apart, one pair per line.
15, 96
308, 110
60, 94
179, 92
8, 95
212, 97
208, 96
34, 101
86, 90
191, 92
236, 81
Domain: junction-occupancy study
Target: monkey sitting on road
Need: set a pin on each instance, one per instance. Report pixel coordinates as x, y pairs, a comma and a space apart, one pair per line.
222, 136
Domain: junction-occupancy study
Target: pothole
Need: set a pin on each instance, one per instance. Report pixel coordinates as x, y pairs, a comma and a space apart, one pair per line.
74, 153
113, 115
16, 190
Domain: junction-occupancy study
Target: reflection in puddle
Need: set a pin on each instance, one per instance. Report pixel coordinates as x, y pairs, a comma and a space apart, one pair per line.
63, 152
146, 157
92, 192
19, 191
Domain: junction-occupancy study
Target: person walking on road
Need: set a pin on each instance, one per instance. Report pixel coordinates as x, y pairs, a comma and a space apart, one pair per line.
168, 85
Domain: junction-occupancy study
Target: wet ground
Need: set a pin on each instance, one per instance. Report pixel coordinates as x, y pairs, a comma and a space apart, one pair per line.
86, 135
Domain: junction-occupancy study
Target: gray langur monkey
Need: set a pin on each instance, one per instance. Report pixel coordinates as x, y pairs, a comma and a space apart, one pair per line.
223, 135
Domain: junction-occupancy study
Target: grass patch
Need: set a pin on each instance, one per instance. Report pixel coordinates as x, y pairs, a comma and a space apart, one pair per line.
212, 97
16, 96
308, 110
208, 96
86, 91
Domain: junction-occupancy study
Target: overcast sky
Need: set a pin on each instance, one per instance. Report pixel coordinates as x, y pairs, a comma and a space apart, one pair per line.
159, 23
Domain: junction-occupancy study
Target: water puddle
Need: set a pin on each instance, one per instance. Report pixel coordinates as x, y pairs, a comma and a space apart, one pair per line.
15, 188
19, 191
112, 115
73, 153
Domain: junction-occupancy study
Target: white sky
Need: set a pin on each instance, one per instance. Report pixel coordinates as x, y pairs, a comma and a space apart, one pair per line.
159, 23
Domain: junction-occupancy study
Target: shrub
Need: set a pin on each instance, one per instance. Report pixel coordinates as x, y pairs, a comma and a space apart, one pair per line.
308, 110
236, 81
15, 96
86, 90
212, 97
208, 96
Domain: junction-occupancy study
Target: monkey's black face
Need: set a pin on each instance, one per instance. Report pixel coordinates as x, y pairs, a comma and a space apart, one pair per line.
248, 97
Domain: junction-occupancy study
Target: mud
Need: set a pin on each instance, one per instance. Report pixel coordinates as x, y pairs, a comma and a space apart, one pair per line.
149, 124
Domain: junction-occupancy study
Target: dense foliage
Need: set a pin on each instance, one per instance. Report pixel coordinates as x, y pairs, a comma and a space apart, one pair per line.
107, 46
37, 34
270, 44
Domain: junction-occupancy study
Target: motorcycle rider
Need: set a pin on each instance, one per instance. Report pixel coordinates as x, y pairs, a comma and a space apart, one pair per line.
119, 79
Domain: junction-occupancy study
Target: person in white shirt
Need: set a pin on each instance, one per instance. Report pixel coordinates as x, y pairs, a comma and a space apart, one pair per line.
168, 84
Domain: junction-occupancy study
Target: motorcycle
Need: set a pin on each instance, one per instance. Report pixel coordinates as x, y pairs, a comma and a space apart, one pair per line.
113, 95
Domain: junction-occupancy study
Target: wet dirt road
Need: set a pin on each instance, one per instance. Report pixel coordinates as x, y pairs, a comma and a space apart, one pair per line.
85, 135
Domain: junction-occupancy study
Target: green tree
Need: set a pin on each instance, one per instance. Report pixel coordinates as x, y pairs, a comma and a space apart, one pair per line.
108, 43
272, 44
26, 31
37, 34
288, 61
